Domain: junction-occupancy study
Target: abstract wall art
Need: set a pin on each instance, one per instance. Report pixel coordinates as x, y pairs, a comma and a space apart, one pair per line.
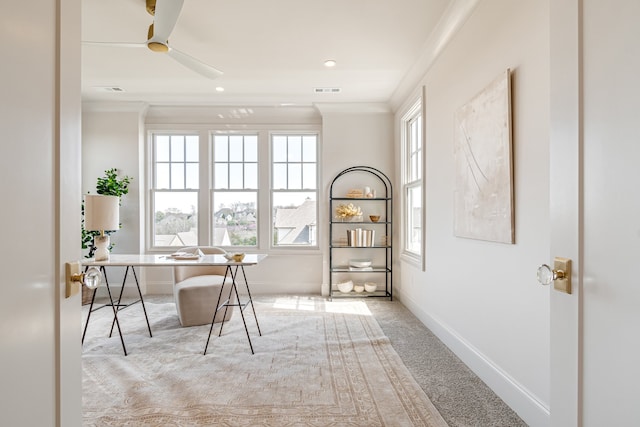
483, 201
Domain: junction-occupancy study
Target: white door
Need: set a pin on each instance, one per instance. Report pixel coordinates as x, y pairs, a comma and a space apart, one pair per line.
595, 211
40, 175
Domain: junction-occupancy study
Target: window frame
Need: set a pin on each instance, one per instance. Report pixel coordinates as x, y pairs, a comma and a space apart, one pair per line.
152, 190
213, 189
273, 191
413, 176
206, 131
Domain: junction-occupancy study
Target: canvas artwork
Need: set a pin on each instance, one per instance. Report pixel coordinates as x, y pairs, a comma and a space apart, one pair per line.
483, 161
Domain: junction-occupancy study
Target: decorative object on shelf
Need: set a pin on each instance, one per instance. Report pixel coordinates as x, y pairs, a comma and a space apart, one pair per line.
360, 238
348, 212
345, 287
370, 286
359, 263
358, 288
374, 218
101, 213
355, 193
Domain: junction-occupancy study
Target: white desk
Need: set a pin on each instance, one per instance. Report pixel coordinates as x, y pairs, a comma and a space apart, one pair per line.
135, 260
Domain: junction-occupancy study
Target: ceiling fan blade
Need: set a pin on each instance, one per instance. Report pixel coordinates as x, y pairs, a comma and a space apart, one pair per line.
193, 64
114, 44
165, 18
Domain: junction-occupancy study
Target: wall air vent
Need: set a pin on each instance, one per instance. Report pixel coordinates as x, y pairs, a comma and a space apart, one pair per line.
113, 89
327, 90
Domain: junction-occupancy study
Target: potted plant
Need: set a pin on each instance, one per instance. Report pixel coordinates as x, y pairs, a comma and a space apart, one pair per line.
109, 185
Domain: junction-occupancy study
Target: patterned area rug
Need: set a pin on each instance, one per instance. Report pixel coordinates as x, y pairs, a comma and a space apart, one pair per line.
317, 363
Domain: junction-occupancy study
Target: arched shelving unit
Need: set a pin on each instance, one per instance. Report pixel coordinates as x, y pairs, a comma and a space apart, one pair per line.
344, 252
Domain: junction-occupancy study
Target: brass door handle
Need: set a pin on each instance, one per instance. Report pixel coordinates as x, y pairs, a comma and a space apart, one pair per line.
560, 275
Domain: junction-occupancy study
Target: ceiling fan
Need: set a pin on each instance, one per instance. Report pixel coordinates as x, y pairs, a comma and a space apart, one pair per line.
165, 15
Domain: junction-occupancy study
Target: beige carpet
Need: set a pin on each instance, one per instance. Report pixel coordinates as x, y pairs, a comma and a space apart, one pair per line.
317, 363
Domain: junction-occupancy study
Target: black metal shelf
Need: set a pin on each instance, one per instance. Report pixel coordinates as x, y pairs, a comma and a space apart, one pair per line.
385, 249
346, 269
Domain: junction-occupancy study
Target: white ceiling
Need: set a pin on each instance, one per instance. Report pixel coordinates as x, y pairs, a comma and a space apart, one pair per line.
271, 51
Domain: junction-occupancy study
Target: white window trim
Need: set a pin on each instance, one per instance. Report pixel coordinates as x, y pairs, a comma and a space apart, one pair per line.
205, 132
280, 248
416, 108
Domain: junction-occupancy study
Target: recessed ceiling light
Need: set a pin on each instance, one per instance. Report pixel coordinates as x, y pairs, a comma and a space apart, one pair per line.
330, 63
327, 90
219, 89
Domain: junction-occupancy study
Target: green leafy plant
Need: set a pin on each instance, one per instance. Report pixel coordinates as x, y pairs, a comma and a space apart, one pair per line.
109, 185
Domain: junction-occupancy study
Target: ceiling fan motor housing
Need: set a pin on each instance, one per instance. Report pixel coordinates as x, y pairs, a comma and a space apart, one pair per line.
155, 45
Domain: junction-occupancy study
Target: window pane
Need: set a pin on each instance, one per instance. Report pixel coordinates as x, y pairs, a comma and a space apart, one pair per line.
177, 176
251, 148
294, 218
309, 176
295, 177
235, 175
235, 149
295, 149
279, 149
414, 219
192, 148
251, 175
235, 219
162, 175
175, 219
221, 149
192, 175
221, 174
280, 176
309, 148
162, 148
177, 148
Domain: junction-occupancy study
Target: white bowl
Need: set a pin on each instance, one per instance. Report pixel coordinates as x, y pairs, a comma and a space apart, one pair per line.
358, 288
345, 287
370, 287
360, 263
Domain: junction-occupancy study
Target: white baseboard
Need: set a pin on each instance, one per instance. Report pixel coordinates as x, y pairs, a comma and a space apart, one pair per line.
524, 403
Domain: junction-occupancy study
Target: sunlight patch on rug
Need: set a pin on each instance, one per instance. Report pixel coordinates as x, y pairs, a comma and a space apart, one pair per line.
317, 363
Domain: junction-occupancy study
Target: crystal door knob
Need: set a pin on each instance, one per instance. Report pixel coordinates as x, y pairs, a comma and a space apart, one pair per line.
546, 274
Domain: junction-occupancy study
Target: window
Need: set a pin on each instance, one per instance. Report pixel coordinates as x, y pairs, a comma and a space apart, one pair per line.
250, 189
235, 194
175, 190
294, 189
412, 182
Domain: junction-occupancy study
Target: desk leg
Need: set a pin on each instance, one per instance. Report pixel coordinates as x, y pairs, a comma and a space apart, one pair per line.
242, 308
144, 309
218, 307
226, 303
250, 300
126, 272
115, 310
93, 298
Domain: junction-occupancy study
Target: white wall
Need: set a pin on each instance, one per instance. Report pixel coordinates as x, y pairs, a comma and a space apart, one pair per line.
352, 136
111, 138
480, 297
359, 134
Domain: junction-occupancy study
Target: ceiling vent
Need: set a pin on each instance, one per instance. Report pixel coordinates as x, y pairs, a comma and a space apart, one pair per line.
108, 89
327, 90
